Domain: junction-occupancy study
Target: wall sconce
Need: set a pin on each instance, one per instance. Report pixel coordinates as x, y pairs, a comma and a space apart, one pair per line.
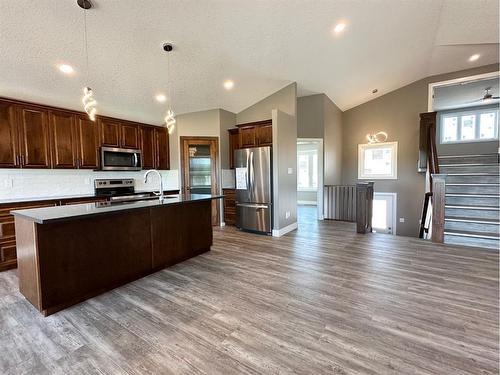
377, 137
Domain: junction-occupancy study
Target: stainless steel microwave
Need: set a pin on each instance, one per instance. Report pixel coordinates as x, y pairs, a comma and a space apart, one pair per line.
120, 159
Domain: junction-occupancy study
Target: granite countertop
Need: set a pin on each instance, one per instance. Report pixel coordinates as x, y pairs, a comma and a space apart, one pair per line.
60, 213
63, 197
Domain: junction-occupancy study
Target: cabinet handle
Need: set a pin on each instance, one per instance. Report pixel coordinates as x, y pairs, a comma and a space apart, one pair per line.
21, 160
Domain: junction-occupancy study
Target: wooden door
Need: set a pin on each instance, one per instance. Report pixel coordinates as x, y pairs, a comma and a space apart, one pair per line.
8, 136
234, 144
264, 135
162, 149
63, 139
147, 146
109, 130
34, 137
129, 135
247, 137
87, 143
199, 166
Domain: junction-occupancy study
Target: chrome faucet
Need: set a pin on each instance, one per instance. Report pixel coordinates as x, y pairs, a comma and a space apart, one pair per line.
160, 193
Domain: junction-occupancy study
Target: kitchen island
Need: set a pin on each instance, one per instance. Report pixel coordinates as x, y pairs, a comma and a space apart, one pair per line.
68, 254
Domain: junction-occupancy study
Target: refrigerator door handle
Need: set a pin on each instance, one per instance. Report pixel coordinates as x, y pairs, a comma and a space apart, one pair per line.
252, 205
252, 176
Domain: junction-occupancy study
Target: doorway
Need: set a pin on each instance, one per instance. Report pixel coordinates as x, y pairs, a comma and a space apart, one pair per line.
384, 213
309, 179
199, 168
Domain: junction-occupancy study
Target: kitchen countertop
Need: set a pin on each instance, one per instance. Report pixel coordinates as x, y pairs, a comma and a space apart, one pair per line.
64, 197
61, 213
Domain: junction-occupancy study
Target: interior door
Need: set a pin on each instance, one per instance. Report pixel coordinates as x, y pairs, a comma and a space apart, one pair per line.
383, 213
200, 169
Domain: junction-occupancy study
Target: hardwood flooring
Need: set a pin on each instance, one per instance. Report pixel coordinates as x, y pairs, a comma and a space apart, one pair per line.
321, 300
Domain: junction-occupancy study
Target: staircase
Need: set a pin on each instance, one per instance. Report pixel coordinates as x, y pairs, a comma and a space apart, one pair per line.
472, 200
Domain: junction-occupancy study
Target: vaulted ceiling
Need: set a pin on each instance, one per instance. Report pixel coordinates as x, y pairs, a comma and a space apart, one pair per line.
260, 45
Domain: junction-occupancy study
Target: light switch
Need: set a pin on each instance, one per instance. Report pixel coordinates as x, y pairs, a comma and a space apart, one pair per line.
290, 170
287, 214
401, 219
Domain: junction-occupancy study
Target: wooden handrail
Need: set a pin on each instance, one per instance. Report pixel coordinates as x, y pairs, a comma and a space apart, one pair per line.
364, 207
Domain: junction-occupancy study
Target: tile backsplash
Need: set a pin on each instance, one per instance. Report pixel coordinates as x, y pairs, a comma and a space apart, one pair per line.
38, 183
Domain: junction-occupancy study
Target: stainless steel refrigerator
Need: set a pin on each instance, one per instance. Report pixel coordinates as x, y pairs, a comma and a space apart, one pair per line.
254, 193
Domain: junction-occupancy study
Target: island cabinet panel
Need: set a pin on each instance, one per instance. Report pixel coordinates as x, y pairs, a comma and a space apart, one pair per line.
34, 137
172, 228
147, 146
87, 143
63, 139
162, 149
100, 257
8, 136
129, 135
110, 132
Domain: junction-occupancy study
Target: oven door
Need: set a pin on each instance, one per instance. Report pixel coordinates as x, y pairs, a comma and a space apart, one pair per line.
120, 159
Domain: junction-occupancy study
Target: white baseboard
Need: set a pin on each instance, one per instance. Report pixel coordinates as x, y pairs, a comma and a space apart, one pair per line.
307, 203
285, 230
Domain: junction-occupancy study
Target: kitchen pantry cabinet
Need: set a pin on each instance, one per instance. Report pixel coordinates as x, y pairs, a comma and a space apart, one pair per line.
36, 136
255, 134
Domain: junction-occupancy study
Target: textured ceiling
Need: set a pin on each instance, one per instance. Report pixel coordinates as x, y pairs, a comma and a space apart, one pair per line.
464, 94
261, 45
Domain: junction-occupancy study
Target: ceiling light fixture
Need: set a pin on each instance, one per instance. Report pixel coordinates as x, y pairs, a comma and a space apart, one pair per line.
379, 137
474, 57
89, 103
66, 69
161, 98
170, 115
339, 27
228, 84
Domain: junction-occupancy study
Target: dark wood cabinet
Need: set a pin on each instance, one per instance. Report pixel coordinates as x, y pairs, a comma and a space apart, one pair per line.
129, 135
229, 206
147, 146
33, 129
247, 137
110, 132
63, 139
87, 141
234, 144
162, 149
9, 156
264, 135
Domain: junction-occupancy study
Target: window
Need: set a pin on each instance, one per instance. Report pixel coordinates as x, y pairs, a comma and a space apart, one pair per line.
307, 169
469, 126
378, 161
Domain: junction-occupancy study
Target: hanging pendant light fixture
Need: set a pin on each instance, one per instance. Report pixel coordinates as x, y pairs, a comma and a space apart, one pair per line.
170, 115
89, 103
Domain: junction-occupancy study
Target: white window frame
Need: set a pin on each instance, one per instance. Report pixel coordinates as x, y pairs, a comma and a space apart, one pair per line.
477, 112
361, 161
311, 170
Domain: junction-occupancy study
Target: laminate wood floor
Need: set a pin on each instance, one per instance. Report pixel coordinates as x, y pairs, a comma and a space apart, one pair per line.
322, 300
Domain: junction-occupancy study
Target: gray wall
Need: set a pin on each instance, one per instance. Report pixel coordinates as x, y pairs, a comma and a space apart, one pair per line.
310, 116
285, 100
227, 120
397, 113
333, 142
284, 157
469, 148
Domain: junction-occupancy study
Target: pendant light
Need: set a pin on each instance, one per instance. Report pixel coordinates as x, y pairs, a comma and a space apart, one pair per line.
170, 115
89, 103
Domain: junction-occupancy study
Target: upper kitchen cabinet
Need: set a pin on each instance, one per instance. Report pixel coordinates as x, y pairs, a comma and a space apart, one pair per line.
63, 139
147, 146
33, 133
247, 137
264, 135
87, 142
9, 157
162, 150
129, 135
109, 131
254, 134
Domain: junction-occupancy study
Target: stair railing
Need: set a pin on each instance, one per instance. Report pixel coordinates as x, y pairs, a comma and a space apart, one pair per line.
432, 220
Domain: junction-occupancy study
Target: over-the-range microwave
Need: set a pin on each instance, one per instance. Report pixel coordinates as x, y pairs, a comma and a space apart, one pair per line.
120, 159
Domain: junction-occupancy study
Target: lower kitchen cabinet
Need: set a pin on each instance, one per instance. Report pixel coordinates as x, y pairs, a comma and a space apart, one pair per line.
229, 206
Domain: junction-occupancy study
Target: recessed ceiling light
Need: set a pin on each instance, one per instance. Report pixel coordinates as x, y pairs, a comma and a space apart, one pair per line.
474, 57
161, 98
228, 84
339, 27
66, 69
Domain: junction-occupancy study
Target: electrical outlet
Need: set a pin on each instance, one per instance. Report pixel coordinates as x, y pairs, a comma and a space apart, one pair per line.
401, 219
287, 214
86, 181
8, 182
